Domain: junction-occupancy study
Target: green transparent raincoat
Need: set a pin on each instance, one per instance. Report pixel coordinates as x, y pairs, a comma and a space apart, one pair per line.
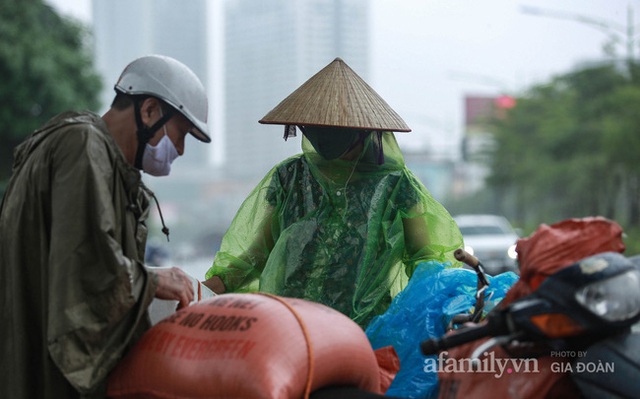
347, 234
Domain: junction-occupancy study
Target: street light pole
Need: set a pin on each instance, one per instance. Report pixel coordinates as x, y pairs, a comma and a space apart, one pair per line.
615, 30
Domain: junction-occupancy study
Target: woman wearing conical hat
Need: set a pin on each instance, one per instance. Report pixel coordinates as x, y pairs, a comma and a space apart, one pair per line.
345, 223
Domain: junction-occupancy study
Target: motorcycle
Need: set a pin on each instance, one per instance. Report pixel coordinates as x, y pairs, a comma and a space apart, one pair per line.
576, 318
577, 323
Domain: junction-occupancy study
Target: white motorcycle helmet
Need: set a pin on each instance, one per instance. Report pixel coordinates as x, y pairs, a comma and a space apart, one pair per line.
171, 81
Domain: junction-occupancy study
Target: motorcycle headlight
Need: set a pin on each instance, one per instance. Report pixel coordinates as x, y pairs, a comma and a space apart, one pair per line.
614, 299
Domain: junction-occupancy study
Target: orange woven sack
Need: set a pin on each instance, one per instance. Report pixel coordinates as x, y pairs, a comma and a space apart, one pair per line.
247, 346
550, 248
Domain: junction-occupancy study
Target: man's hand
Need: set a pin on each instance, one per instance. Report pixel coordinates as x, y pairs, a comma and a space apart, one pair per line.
175, 285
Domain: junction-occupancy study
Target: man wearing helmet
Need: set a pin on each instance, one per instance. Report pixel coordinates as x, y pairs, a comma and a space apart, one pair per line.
345, 223
75, 291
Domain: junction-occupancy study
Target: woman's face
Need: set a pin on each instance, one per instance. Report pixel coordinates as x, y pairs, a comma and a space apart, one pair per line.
331, 142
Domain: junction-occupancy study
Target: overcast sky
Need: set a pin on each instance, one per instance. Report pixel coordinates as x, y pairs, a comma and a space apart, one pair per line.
427, 54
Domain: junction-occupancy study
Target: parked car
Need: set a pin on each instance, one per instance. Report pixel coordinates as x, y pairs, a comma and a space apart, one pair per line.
492, 239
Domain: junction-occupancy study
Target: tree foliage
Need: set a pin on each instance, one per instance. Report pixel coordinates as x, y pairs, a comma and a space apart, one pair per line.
46, 67
569, 148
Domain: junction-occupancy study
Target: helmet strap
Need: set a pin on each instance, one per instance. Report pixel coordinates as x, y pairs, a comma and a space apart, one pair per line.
145, 133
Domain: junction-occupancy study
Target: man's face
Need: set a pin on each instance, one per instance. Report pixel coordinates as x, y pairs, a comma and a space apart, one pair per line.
177, 127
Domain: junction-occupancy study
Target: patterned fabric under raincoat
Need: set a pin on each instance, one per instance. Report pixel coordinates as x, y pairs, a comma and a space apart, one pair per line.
347, 234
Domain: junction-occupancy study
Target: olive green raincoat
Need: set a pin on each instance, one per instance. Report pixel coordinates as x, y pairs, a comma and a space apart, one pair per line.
74, 291
347, 234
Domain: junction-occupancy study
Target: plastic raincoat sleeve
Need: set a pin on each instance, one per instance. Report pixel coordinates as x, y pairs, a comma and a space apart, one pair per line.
429, 231
246, 246
429, 234
97, 296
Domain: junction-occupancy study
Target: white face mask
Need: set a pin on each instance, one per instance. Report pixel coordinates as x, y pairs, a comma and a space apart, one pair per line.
157, 159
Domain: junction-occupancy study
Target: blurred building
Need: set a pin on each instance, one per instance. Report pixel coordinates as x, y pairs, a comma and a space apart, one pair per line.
437, 174
250, 54
478, 140
125, 30
271, 48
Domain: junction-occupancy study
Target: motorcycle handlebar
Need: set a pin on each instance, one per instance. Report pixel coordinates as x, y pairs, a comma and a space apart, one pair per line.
465, 257
470, 260
494, 326
434, 345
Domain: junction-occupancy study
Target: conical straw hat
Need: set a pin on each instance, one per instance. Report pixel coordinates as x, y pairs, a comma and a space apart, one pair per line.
336, 96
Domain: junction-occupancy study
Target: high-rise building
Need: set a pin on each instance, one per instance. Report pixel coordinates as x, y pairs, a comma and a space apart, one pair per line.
271, 47
125, 30
267, 48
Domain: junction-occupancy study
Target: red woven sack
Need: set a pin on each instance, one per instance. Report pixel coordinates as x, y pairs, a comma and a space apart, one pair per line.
550, 248
247, 346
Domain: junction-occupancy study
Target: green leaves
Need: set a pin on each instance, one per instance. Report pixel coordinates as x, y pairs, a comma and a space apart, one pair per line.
570, 147
46, 68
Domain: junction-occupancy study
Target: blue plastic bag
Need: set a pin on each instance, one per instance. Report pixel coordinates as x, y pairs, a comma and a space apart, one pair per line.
423, 310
